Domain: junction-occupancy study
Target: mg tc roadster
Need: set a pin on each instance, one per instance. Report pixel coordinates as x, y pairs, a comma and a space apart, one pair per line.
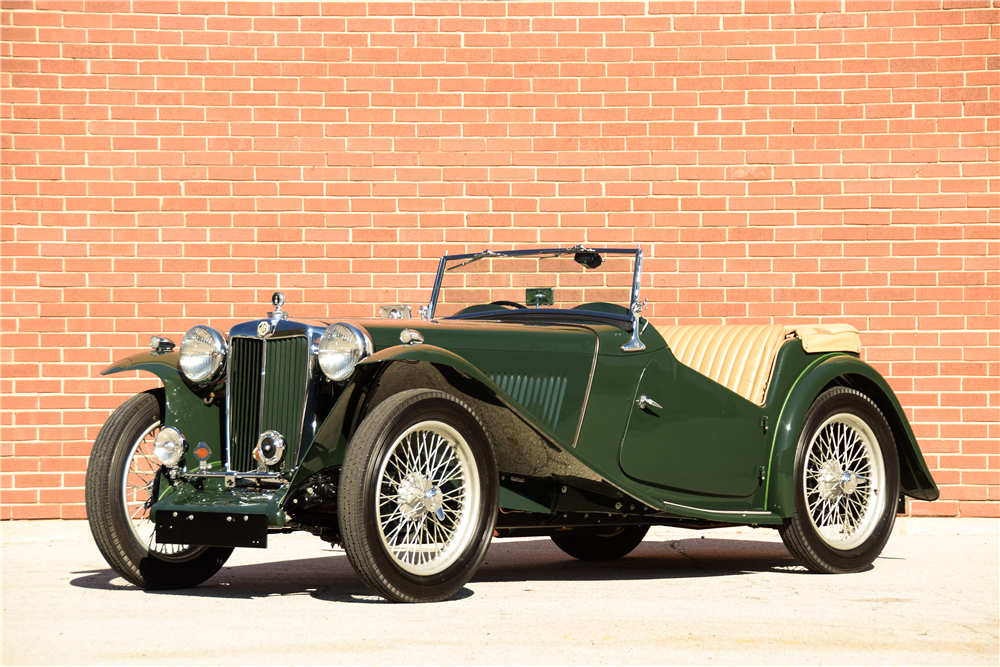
529, 397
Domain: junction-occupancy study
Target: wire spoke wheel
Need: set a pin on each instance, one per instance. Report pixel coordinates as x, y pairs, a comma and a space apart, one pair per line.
123, 483
844, 483
427, 488
138, 485
418, 496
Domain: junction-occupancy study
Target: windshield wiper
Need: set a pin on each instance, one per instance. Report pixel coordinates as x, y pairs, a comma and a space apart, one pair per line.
484, 254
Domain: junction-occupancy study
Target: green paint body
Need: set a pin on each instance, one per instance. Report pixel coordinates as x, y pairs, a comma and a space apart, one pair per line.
185, 407
707, 454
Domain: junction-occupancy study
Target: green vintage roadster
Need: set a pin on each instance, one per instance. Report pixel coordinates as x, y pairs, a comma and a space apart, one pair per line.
530, 397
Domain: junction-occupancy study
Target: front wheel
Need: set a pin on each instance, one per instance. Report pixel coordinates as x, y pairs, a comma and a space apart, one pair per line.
418, 497
846, 484
121, 484
612, 545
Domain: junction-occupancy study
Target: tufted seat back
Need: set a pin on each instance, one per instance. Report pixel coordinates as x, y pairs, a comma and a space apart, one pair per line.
739, 356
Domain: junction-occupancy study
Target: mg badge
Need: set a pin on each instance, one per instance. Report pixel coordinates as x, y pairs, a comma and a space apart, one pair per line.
264, 328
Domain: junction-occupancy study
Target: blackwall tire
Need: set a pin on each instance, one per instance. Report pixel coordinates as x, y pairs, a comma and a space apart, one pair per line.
418, 497
846, 484
609, 546
120, 476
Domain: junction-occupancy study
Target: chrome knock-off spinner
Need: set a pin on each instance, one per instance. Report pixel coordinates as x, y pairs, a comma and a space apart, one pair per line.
418, 497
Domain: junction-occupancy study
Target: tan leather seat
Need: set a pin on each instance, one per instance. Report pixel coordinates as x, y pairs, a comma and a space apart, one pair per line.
741, 356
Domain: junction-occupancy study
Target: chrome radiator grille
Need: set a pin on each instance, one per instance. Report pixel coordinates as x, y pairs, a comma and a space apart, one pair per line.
266, 384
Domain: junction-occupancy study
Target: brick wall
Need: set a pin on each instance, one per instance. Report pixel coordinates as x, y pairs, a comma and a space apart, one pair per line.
167, 163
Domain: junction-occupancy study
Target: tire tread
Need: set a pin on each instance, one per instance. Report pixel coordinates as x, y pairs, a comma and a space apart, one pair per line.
354, 473
112, 535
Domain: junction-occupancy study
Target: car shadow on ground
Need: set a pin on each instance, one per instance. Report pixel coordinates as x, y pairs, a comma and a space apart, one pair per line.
668, 559
331, 578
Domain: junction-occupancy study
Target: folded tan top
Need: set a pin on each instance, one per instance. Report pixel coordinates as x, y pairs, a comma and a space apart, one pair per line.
827, 337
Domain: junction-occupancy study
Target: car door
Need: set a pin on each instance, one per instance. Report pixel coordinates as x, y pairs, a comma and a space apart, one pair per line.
704, 439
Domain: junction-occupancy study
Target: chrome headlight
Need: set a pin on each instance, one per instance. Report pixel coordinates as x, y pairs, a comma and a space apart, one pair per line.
203, 354
169, 446
341, 347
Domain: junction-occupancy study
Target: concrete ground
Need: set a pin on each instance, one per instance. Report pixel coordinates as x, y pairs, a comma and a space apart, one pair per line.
731, 596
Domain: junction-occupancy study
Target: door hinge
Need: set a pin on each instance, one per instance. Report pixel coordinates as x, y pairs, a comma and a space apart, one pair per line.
763, 424
761, 474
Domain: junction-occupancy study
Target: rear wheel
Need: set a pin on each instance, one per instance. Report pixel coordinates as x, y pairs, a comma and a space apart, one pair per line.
846, 484
418, 497
616, 543
123, 477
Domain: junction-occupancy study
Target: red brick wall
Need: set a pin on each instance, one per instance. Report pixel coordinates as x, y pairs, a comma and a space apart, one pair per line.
167, 163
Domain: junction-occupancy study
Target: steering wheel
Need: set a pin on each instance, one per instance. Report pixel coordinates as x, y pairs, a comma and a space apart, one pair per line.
507, 303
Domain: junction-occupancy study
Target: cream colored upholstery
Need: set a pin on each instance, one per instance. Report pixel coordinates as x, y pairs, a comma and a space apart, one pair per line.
741, 356
827, 337
738, 356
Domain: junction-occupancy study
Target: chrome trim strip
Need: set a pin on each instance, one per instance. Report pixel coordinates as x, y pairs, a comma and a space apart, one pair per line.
238, 475
590, 384
229, 411
636, 277
437, 286
726, 512
295, 448
263, 379
634, 344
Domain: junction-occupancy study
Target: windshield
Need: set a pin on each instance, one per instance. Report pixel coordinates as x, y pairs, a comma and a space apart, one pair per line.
562, 278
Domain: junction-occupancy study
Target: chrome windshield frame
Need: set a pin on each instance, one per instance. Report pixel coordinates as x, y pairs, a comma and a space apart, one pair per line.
555, 252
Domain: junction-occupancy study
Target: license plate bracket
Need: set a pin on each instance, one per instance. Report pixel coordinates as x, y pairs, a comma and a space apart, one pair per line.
215, 529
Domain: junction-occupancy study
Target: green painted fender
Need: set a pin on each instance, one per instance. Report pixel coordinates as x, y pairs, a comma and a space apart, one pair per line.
441, 357
429, 353
328, 448
841, 370
185, 407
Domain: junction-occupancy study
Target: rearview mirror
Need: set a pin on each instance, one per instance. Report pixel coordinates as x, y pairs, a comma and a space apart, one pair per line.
591, 260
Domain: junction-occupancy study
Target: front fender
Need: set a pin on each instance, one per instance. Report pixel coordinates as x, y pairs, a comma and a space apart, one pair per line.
185, 407
328, 447
915, 478
430, 354
394, 369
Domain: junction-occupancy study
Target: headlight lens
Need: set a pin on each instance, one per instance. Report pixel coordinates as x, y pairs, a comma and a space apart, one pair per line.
169, 446
203, 354
341, 347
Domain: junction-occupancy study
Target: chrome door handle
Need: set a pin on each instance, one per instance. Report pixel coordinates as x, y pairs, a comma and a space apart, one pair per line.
645, 401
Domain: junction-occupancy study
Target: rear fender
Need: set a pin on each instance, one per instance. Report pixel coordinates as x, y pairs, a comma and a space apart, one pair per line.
841, 370
184, 407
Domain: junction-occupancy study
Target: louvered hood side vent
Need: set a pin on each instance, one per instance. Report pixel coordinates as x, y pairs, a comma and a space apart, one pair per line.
542, 396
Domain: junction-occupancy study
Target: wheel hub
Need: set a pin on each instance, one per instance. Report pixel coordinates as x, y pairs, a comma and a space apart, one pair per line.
419, 496
830, 475
834, 482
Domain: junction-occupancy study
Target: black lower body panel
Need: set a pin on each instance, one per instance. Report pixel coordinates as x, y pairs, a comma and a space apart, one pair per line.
214, 529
